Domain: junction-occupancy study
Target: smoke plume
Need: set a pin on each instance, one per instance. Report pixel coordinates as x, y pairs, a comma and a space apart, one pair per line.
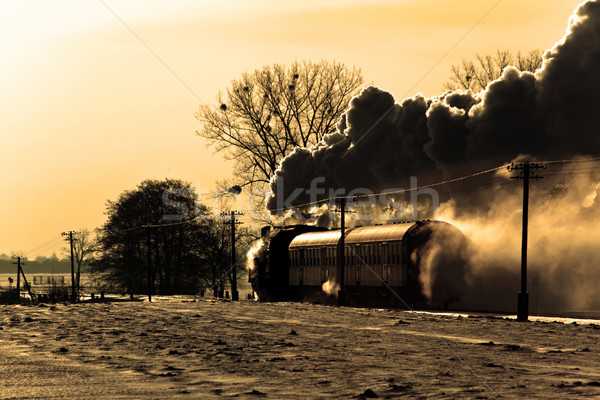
552, 114
331, 287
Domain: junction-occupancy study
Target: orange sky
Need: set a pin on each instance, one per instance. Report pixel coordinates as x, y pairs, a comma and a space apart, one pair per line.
88, 111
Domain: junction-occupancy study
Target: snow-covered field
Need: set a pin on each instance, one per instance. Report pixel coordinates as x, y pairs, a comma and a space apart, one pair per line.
178, 348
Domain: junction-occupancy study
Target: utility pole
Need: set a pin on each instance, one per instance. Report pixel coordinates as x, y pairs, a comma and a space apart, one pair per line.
148, 244
19, 261
234, 292
69, 235
341, 259
525, 168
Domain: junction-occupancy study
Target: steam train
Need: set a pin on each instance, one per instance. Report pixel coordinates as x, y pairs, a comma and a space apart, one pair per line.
416, 264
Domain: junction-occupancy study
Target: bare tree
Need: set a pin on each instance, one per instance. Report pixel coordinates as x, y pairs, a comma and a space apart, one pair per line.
264, 115
476, 74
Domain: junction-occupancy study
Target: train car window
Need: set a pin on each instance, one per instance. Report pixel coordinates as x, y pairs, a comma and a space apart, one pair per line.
358, 274
301, 276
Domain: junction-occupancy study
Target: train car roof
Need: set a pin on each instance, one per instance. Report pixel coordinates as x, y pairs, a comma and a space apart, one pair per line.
378, 233
316, 239
363, 234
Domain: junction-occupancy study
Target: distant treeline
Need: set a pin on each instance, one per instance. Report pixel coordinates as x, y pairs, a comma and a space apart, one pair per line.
36, 267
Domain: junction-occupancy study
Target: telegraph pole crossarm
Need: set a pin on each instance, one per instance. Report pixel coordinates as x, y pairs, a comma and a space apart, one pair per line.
525, 168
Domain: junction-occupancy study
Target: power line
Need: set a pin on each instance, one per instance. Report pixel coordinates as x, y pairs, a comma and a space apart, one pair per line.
450, 181
147, 226
575, 160
399, 191
46, 246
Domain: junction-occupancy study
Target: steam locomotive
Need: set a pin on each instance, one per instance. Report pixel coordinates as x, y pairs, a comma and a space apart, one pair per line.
416, 264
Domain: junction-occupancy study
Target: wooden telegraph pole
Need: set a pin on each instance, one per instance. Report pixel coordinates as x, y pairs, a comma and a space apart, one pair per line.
234, 291
18, 261
69, 236
149, 252
341, 259
525, 168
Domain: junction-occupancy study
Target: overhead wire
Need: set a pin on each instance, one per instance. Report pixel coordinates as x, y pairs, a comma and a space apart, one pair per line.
455, 180
392, 192
45, 247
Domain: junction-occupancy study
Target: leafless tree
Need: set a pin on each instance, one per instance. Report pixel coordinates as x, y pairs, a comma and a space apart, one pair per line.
476, 74
264, 115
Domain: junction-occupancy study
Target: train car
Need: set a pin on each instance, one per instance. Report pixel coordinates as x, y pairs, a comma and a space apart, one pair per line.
397, 265
270, 262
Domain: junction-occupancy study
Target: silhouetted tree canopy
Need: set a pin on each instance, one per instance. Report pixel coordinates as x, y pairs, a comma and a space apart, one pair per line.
264, 115
476, 74
176, 244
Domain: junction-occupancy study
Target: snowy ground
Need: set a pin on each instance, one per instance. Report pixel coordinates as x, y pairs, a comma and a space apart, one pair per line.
176, 348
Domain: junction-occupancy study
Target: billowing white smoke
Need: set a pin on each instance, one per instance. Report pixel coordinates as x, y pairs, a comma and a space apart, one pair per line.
444, 266
256, 254
331, 287
256, 257
563, 256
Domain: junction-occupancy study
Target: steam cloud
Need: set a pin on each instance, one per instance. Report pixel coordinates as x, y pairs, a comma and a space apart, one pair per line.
552, 114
